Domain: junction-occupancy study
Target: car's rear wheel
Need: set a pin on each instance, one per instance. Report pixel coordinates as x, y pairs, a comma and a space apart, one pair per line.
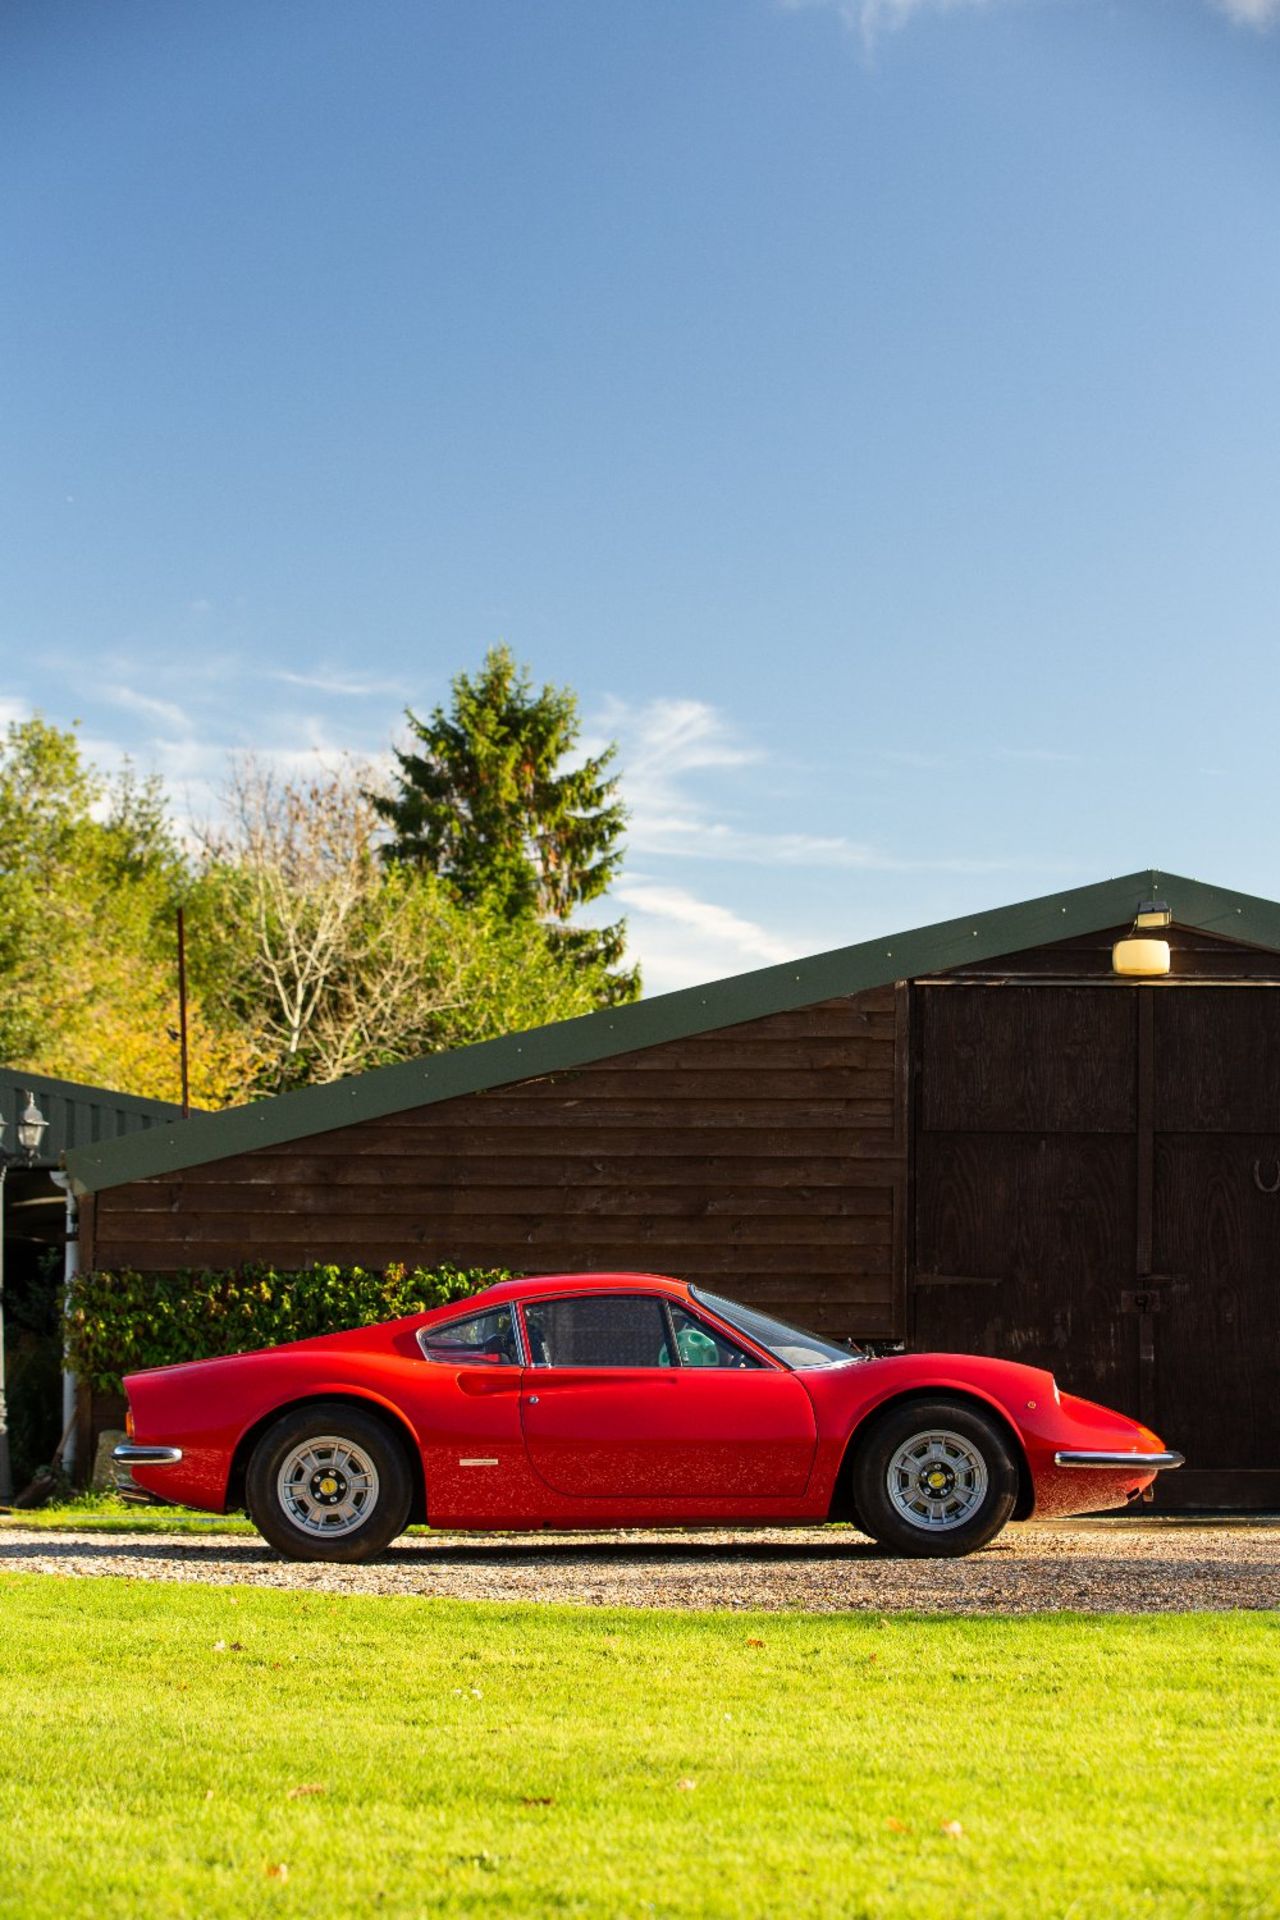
934, 1479
329, 1482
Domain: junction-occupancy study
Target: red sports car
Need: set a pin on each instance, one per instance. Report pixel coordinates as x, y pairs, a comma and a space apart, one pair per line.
621, 1400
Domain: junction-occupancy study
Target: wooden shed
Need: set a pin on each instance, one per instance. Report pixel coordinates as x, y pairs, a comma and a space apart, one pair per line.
33, 1217
974, 1135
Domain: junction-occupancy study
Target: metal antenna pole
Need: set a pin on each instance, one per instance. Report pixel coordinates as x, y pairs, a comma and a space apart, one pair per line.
182, 1013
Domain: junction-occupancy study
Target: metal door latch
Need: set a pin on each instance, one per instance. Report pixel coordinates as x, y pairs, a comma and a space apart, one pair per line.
1154, 1293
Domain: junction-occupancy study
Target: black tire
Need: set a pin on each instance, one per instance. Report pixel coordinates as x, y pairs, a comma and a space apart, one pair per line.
951, 1519
366, 1509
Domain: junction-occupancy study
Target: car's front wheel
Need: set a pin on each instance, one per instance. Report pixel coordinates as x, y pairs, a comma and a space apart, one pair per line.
934, 1479
329, 1482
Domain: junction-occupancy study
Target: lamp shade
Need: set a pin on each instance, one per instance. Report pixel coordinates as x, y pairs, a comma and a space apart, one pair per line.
1140, 958
31, 1126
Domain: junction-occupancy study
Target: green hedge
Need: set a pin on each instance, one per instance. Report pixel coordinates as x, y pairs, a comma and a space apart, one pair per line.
120, 1322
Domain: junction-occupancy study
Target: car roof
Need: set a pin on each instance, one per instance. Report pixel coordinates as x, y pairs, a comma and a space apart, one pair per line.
574, 1283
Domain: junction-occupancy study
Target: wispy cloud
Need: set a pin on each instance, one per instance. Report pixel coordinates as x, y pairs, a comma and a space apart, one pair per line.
720, 924
194, 771
352, 686
181, 709
167, 712
871, 18
1259, 14
668, 747
681, 939
12, 710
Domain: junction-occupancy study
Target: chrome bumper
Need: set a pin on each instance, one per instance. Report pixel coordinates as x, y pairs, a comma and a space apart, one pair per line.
1113, 1462
130, 1456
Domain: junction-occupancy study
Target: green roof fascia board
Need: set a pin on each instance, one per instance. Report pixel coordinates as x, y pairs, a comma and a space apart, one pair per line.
670, 1016
76, 1115
76, 1090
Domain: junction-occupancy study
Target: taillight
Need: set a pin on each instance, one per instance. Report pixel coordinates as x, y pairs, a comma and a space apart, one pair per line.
128, 1422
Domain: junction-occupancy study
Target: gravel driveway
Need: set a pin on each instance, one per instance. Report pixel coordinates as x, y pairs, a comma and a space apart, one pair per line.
1101, 1566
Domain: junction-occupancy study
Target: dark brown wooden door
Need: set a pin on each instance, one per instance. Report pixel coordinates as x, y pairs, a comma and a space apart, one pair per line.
1025, 1179
1216, 1235
1092, 1174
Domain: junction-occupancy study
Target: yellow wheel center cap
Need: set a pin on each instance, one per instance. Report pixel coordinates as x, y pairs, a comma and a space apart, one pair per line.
936, 1479
328, 1486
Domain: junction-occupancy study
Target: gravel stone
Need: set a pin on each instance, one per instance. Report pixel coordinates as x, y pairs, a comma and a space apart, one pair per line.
1121, 1566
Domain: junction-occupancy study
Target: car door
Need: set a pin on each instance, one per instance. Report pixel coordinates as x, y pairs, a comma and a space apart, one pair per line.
613, 1408
464, 1399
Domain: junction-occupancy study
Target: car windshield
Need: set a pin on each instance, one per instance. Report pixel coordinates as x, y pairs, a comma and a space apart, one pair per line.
792, 1345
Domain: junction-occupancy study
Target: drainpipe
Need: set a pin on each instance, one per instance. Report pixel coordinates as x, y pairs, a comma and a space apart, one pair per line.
71, 1268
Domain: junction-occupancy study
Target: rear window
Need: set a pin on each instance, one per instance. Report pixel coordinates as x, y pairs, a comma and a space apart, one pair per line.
479, 1340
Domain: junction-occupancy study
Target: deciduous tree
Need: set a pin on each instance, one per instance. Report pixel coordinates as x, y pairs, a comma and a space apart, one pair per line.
91, 875
335, 962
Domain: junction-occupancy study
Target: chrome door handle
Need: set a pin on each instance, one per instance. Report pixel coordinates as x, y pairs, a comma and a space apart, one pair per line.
533, 1399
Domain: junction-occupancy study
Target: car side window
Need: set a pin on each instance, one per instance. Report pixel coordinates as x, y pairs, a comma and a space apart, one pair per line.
598, 1330
481, 1340
702, 1346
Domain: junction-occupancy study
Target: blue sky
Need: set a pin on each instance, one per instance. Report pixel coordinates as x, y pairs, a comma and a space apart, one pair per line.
871, 409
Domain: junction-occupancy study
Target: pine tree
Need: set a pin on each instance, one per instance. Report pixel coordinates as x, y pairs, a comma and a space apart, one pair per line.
485, 801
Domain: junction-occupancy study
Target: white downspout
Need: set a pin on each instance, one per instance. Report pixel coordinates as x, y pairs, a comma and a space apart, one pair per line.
71, 1267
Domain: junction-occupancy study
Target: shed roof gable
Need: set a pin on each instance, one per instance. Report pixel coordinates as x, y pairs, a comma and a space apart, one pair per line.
670, 1016
78, 1115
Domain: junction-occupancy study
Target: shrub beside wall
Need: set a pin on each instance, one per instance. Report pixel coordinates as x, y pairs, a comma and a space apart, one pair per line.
118, 1323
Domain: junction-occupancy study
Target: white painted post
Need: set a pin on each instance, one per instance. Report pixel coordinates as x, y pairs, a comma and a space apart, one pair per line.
70, 1268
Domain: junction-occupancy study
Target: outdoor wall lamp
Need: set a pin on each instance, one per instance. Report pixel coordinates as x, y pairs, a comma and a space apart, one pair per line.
1138, 955
32, 1126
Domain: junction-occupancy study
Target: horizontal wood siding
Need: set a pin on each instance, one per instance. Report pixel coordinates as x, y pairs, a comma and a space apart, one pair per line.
1193, 955
767, 1159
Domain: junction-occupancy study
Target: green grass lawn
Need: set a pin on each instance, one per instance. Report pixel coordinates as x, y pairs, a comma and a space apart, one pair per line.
170, 1750
105, 1513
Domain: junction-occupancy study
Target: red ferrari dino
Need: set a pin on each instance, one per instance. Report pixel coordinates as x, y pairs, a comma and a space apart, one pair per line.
621, 1400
